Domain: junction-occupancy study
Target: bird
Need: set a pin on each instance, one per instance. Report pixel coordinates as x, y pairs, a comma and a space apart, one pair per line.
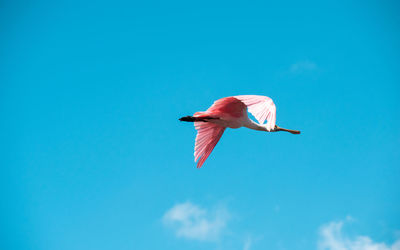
231, 112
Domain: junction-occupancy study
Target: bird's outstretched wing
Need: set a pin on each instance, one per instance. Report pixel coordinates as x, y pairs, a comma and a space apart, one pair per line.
208, 135
261, 107
228, 106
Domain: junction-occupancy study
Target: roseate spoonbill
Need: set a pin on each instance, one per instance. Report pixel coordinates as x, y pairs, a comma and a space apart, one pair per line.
231, 112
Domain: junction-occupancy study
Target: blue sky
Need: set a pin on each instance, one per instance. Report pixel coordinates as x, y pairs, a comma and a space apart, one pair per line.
94, 157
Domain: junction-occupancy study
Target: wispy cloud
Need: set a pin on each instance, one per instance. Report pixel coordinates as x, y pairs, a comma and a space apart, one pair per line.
247, 243
193, 222
332, 238
303, 66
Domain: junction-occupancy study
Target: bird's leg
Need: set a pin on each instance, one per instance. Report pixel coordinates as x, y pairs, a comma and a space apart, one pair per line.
276, 129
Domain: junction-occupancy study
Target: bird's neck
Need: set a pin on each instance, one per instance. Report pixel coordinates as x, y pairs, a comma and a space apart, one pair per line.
253, 125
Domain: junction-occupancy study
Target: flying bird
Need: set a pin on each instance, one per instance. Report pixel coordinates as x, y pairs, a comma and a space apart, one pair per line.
231, 112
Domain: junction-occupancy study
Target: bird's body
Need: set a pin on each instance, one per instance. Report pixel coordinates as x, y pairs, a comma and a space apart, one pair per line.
228, 112
231, 112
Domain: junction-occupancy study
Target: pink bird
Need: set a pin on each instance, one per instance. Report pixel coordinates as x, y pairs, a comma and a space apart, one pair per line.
231, 112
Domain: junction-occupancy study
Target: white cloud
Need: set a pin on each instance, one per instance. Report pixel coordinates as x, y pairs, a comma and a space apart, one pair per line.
193, 222
332, 238
247, 244
303, 66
